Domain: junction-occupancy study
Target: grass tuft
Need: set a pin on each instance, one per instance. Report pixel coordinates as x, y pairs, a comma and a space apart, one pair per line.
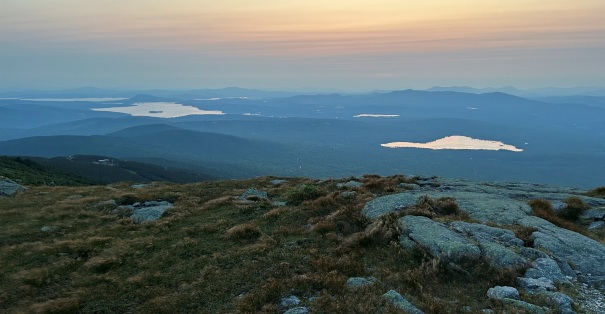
304, 192
574, 207
244, 232
543, 208
597, 192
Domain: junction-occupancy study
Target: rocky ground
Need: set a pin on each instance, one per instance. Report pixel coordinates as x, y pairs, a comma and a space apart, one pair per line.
555, 258
293, 245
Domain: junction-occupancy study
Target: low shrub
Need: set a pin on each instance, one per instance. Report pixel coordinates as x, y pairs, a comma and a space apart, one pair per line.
127, 199
381, 231
525, 234
541, 205
380, 185
431, 208
323, 205
324, 226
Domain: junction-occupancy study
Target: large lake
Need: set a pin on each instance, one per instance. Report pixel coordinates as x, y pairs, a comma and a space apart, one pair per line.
160, 110
456, 142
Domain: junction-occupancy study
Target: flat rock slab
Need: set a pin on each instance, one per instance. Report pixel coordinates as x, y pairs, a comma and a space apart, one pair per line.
546, 268
583, 253
479, 206
503, 204
497, 245
437, 238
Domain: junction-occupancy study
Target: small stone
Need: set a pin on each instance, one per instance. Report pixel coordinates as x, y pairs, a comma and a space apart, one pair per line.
527, 307
298, 310
278, 182
140, 186
253, 194
501, 292
400, 302
49, 229
347, 195
289, 301
358, 282
350, 184
533, 285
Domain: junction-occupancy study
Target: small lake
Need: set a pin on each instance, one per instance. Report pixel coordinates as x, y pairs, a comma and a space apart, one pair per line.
98, 99
371, 115
456, 142
160, 110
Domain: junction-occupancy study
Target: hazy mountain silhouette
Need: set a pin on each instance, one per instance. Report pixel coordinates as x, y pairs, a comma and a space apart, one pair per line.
324, 136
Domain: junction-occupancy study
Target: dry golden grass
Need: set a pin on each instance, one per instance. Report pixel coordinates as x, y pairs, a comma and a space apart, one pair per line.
543, 209
597, 192
211, 255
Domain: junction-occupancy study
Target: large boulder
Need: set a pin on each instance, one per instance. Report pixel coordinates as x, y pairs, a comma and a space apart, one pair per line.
149, 211
535, 285
503, 292
9, 187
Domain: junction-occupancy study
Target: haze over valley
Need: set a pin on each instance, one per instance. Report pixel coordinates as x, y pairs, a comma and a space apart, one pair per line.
243, 133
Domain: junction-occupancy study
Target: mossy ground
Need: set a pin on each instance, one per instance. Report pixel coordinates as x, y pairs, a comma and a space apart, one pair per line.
213, 253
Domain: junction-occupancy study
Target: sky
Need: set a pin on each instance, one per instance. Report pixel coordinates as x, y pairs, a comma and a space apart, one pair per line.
352, 45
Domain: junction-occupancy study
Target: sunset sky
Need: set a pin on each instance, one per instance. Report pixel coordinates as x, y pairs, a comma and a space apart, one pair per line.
353, 45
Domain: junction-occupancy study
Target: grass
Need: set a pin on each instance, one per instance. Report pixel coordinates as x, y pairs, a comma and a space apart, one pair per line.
567, 217
213, 253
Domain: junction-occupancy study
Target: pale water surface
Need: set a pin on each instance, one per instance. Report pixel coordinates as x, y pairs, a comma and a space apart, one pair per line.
160, 110
98, 99
371, 115
456, 142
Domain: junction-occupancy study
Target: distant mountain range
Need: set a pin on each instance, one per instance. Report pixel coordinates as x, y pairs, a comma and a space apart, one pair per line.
532, 93
93, 92
324, 135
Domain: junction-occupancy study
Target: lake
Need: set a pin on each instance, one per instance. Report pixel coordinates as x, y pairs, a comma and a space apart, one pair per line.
160, 110
456, 142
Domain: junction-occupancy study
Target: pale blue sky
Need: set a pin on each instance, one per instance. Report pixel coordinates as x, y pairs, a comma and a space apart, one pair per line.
346, 45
